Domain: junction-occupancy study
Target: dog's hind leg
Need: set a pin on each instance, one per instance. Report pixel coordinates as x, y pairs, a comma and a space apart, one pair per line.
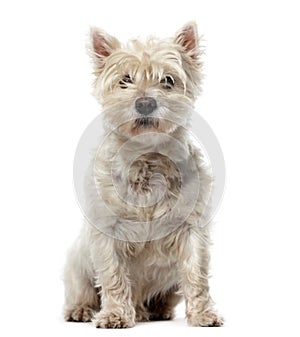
161, 307
81, 298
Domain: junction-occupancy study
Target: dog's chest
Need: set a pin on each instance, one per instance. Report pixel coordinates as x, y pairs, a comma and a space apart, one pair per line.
143, 189
152, 173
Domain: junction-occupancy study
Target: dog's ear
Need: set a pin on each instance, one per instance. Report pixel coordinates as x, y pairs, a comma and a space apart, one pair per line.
187, 42
187, 39
102, 45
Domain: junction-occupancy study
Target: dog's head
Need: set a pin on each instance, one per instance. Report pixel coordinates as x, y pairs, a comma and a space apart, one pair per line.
146, 86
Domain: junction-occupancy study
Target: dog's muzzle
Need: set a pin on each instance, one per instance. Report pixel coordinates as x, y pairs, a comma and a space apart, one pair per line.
145, 105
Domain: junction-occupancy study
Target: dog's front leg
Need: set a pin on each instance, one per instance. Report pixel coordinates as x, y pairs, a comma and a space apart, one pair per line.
117, 310
193, 263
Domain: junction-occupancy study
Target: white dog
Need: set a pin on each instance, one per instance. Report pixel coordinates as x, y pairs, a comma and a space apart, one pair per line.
145, 243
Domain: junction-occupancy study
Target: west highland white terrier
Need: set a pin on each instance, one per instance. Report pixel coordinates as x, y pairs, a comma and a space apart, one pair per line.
145, 241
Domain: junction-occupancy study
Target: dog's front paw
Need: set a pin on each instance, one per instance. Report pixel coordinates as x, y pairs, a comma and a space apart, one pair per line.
206, 318
111, 320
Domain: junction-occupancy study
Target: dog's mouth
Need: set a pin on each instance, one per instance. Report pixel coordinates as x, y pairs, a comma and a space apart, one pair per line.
146, 122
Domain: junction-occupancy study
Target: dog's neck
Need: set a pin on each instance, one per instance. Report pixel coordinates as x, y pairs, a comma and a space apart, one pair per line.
174, 145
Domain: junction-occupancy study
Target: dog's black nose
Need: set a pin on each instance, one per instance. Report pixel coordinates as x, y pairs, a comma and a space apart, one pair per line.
145, 105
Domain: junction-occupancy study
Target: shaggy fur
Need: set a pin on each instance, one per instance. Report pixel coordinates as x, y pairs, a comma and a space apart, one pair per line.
145, 243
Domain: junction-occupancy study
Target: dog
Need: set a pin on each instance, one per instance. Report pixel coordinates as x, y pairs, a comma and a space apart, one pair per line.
145, 242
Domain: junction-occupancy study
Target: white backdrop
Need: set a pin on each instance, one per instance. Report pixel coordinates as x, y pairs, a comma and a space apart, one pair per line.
250, 99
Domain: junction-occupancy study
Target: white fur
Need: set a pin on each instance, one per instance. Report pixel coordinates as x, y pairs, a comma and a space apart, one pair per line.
146, 240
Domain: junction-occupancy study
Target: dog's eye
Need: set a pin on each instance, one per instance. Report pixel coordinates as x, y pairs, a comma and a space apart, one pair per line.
168, 82
125, 80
